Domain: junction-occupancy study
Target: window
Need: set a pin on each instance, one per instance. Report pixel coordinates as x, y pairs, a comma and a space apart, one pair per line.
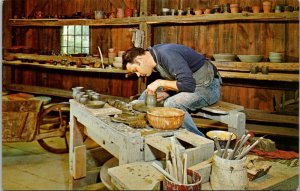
75, 39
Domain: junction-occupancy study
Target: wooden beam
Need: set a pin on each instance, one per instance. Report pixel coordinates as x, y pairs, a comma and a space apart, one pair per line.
259, 76
205, 18
261, 116
18, 63
39, 90
245, 66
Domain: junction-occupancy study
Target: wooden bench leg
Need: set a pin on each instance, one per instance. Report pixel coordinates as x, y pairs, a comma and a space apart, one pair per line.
237, 123
235, 120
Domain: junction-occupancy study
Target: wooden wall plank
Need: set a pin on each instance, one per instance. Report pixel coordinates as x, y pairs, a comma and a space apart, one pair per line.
104, 83
292, 42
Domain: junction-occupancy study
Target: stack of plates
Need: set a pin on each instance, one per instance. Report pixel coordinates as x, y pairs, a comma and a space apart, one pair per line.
275, 56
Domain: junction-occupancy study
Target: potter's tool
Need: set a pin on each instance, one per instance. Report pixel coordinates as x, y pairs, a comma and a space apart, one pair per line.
173, 157
227, 145
185, 168
243, 141
101, 57
165, 173
234, 150
249, 148
217, 145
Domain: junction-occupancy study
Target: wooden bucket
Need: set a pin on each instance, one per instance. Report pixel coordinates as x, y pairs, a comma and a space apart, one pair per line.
194, 177
228, 174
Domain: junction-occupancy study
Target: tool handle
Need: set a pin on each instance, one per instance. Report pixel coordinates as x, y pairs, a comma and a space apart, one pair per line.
165, 173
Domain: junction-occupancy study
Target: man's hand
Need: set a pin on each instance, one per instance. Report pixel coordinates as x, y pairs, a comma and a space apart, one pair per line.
162, 96
166, 84
151, 88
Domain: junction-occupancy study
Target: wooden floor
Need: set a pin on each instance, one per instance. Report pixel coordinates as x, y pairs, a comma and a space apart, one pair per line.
27, 166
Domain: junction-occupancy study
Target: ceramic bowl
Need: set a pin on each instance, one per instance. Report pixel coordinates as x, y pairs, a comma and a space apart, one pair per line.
277, 60
224, 57
165, 117
95, 104
118, 59
117, 64
222, 137
250, 58
275, 55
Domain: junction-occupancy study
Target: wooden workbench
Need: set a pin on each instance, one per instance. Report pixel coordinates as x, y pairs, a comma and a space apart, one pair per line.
122, 141
125, 143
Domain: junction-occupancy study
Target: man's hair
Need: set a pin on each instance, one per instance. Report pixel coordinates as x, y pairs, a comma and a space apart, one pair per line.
130, 55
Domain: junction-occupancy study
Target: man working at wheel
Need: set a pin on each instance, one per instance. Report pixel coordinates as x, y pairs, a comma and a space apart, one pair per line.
189, 80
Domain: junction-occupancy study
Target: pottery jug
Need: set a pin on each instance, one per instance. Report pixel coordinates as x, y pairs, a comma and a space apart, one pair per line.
267, 6
255, 9
99, 15
207, 11
120, 12
128, 12
96, 97
234, 8
151, 99
38, 14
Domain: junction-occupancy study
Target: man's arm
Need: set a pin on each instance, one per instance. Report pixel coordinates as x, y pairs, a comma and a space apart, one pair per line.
166, 84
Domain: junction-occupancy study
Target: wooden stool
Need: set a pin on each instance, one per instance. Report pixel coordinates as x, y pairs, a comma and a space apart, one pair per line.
227, 113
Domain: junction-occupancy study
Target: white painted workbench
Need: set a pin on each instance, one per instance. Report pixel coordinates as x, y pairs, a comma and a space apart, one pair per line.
127, 144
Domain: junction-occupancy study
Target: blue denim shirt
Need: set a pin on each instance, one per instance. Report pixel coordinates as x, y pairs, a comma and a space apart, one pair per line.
180, 62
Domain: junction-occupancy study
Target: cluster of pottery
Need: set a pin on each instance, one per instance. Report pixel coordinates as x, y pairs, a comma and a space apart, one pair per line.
83, 96
266, 7
121, 13
228, 57
115, 58
275, 56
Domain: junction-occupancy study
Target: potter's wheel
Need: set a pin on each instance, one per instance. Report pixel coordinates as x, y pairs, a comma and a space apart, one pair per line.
139, 105
105, 177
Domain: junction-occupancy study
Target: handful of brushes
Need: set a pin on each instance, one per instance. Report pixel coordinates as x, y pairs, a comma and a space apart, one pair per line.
176, 168
239, 150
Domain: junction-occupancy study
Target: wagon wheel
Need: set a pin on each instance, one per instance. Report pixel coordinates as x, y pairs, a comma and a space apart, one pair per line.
46, 144
53, 129
57, 145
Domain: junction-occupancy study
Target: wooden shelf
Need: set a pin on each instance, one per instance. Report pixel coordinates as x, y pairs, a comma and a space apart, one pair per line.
282, 77
206, 18
132, 21
61, 67
46, 58
245, 66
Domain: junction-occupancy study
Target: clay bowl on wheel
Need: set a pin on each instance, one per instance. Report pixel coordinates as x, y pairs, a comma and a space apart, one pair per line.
95, 104
222, 137
165, 118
